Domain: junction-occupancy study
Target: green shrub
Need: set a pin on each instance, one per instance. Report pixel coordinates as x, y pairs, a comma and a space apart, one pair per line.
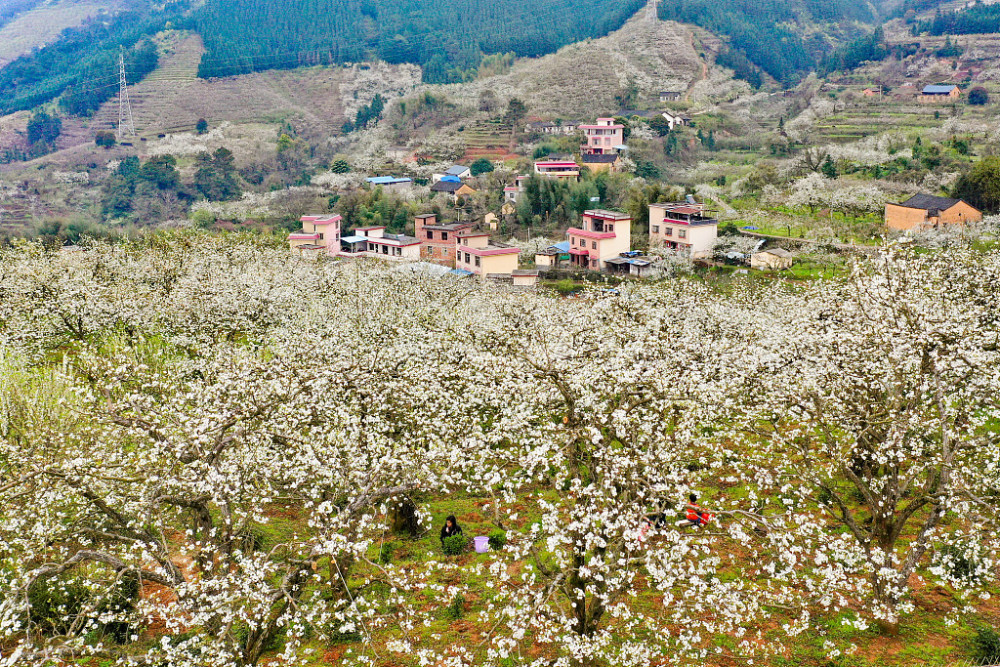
454, 545
986, 643
498, 540
55, 604
338, 637
566, 286
385, 552
456, 608
121, 599
961, 563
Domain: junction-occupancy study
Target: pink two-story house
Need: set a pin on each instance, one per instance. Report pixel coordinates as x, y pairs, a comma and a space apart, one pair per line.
603, 235
319, 234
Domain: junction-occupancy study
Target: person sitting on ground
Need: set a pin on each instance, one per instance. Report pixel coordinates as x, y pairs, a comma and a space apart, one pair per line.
694, 514
451, 528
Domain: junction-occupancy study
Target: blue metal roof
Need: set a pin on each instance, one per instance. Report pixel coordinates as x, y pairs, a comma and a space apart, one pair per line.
451, 179
457, 170
562, 247
461, 272
387, 180
938, 90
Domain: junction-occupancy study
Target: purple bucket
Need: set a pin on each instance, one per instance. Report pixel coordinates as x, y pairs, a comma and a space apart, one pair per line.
482, 544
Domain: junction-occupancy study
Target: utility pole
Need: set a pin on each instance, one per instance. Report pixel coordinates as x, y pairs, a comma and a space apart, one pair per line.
125, 121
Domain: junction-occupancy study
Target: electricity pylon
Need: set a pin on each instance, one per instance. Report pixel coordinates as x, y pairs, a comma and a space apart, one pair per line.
125, 121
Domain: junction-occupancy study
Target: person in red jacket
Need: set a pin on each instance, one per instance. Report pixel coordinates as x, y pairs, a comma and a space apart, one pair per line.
695, 515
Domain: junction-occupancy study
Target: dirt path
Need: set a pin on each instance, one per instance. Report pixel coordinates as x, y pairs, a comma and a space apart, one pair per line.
704, 68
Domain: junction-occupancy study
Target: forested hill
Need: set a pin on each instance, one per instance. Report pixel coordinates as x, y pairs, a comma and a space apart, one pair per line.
782, 38
447, 38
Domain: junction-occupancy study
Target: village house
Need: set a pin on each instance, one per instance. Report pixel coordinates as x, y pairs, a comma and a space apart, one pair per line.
927, 211
553, 256
597, 163
606, 136
457, 171
940, 93
453, 188
525, 277
438, 241
635, 264
670, 96
549, 127
688, 227
476, 255
675, 120
559, 169
319, 234
603, 235
390, 182
510, 193
375, 242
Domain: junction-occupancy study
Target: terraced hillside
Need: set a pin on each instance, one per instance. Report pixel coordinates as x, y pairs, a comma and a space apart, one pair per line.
487, 139
172, 99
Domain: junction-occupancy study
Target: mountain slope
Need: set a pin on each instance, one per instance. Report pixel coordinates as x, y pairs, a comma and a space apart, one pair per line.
173, 98
783, 38
43, 22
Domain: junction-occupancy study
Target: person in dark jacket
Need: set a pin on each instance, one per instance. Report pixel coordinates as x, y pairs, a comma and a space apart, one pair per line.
451, 528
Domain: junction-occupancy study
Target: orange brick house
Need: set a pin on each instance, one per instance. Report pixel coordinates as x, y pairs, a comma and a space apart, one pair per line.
438, 241
922, 211
940, 93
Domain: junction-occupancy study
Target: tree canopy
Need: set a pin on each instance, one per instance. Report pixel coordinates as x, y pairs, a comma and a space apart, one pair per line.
444, 38
768, 33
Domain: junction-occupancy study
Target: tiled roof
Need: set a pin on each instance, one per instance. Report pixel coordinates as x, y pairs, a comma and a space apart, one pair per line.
606, 158
930, 202
938, 90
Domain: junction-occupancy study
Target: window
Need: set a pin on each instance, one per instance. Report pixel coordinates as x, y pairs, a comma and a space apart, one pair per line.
430, 235
321, 237
444, 236
668, 231
399, 252
682, 233
468, 258
477, 261
593, 263
656, 229
594, 244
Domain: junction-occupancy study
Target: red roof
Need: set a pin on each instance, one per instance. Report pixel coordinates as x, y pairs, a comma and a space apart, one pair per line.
597, 236
683, 210
577, 251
